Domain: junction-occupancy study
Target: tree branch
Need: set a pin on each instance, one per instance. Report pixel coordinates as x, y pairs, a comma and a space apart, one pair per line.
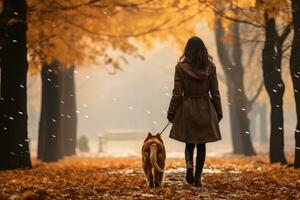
222, 14
257, 94
154, 29
285, 33
151, 30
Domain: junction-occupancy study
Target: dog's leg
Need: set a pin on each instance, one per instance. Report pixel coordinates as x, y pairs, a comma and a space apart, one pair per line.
149, 176
158, 178
147, 168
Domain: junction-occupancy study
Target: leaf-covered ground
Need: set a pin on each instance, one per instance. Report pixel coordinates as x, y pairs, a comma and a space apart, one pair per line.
122, 178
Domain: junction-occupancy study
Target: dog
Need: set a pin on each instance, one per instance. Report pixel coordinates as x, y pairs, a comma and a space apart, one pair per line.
153, 159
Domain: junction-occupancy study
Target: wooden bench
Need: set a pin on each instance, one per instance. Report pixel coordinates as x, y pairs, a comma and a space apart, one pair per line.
120, 135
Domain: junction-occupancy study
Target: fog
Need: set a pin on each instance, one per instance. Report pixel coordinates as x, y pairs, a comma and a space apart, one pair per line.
136, 100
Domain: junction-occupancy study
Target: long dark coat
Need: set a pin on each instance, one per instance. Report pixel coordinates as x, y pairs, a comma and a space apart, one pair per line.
196, 105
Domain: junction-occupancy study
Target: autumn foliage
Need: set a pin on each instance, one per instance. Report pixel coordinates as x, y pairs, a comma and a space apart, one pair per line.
101, 32
122, 178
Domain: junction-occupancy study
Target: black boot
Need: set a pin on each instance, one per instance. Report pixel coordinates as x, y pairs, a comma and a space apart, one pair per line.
189, 173
189, 157
200, 159
198, 178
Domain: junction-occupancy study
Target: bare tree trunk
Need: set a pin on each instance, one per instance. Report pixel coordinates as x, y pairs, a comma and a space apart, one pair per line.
242, 102
14, 148
263, 124
295, 74
253, 125
57, 129
68, 108
239, 105
236, 137
271, 64
50, 144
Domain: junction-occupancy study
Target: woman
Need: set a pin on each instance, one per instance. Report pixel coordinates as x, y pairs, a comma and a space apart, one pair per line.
195, 108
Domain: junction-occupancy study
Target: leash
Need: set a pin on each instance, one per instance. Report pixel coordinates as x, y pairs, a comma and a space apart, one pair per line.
165, 127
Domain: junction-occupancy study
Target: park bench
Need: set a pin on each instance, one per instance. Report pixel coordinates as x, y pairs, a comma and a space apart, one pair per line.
132, 137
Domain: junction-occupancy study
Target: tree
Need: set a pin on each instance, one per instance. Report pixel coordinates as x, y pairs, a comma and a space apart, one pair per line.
57, 129
50, 139
295, 74
238, 102
68, 107
271, 64
14, 148
83, 144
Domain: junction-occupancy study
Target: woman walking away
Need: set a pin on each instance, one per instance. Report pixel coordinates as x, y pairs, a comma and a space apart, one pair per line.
195, 108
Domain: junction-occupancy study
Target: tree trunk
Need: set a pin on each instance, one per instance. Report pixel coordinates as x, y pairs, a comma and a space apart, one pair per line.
263, 124
271, 64
237, 98
241, 100
50, 142
236, 137
14, 148
253, 125
57, 129
295, 74
68, 103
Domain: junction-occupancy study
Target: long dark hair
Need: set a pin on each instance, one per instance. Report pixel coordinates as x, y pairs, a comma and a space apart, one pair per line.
196, 54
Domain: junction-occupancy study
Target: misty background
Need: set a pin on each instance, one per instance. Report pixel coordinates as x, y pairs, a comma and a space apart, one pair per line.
136, 100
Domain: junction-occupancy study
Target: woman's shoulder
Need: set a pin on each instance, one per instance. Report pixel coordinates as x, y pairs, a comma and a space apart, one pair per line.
182, 64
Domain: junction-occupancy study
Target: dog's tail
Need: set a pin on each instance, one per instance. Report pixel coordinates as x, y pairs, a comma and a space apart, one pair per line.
153, 157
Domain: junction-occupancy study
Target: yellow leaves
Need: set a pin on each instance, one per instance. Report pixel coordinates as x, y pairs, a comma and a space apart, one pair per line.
244, 3
83, 33
71, 31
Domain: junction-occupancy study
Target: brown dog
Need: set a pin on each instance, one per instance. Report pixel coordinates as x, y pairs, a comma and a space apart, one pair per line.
153, 158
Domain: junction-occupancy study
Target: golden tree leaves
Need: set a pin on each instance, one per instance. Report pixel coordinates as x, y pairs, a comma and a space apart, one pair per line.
86, 30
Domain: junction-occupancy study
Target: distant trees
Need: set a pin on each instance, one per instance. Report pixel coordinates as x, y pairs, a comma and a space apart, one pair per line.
263, 15
83, 144
14, 148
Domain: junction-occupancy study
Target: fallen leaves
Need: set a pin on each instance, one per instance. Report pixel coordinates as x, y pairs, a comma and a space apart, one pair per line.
122, 178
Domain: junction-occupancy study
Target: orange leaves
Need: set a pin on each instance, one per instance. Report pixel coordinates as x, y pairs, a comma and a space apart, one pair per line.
122, 178
244, 3
85, 32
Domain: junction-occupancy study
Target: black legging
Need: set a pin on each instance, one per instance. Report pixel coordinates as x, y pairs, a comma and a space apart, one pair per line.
200, 158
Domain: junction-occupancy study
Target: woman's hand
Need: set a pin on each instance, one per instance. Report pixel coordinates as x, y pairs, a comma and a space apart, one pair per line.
170, 117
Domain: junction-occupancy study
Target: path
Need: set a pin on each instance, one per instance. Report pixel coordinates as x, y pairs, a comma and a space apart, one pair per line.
112, 178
